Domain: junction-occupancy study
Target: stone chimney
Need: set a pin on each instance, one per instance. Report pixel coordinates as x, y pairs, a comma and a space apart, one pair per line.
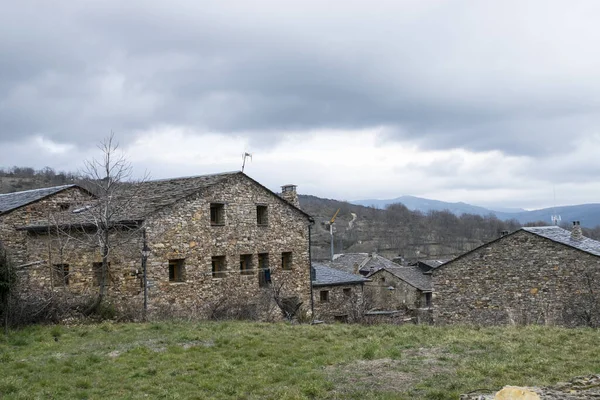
576, 233
288, 193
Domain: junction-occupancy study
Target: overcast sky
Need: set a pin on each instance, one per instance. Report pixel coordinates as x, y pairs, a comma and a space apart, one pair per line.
487, 102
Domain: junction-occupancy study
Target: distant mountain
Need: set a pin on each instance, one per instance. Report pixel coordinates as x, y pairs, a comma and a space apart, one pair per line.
588, 214
424, 205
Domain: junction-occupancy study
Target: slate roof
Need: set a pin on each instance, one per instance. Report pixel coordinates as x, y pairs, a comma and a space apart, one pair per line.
411, 275
349, 262
560, 235
326, 276
136, 201
432, 263
12, 201
554, 233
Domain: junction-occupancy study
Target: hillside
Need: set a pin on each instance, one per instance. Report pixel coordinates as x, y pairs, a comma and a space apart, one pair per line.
588, 214
395, 230
398, 230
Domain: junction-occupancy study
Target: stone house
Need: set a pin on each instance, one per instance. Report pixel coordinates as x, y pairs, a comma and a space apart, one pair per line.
337, 295
20, 208
535, 275
391, 287
216, 243
395, 287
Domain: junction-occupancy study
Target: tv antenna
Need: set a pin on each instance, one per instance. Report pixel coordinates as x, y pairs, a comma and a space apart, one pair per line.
555, 217
244, 156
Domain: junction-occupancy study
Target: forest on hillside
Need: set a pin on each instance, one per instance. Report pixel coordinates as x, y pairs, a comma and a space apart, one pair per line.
397, 231
393, 231
16, 179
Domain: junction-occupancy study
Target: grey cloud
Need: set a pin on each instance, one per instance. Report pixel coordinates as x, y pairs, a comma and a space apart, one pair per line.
444, 74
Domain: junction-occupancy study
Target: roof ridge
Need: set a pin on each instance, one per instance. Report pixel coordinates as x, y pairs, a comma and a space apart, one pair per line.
38, 189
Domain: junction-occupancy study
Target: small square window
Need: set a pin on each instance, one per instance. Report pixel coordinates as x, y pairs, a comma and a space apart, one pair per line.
218, 267
97, 270
246, 264
286, 260
177, 270
264, 272
324, 296
217, 214
347, 292
262, 215
61, 274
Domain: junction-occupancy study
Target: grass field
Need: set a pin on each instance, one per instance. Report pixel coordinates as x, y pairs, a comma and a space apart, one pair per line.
242, 360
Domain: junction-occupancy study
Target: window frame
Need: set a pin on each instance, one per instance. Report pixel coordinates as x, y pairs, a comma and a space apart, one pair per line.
218, 218
218, 267
323, 296
286, 260
262, 215
264, 270
176, 270
246, 267
60, 274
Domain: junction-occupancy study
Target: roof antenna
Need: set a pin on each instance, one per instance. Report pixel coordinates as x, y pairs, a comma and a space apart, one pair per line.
555, 217
244, 156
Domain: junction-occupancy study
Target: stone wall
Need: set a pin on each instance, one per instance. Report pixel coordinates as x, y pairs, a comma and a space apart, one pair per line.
15, 241
381, 297
521, 278
339, 303
182, 234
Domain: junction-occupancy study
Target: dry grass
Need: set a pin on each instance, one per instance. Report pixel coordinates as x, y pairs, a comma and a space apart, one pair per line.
242, 360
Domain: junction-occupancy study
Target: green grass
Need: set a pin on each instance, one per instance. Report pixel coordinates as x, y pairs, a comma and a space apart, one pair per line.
242, 360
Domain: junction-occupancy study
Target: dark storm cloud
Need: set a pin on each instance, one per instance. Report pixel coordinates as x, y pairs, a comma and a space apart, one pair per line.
488, 75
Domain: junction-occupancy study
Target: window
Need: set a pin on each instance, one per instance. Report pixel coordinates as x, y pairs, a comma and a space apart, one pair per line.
246, 264
97, 271
177, 270
324, 296
264, 273
61, 274
286, 260
347, 292
63, 206
218, 267
341, 318
261, 215
217, 214
427, 300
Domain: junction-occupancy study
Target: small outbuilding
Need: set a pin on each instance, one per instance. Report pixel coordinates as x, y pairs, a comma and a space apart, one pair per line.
535, 275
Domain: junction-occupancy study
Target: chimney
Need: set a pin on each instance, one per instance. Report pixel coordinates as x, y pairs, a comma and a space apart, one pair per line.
288, 193
576, 233
503, 233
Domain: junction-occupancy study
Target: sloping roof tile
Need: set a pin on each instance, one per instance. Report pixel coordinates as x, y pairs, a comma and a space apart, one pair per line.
136, 201
411, 275
12, 201
560, 235
326, 276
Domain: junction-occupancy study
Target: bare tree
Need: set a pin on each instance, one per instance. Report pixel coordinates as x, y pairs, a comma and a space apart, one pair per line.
7, 284
110, 179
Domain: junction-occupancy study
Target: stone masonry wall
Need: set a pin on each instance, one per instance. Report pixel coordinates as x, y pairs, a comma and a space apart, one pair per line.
519, 279
341, 303
15, 240
403, 295
184, 232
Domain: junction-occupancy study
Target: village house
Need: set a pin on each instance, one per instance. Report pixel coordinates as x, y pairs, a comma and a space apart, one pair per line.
391, 288
395, 287
337, 295
20, 208
535, 275
214, 243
